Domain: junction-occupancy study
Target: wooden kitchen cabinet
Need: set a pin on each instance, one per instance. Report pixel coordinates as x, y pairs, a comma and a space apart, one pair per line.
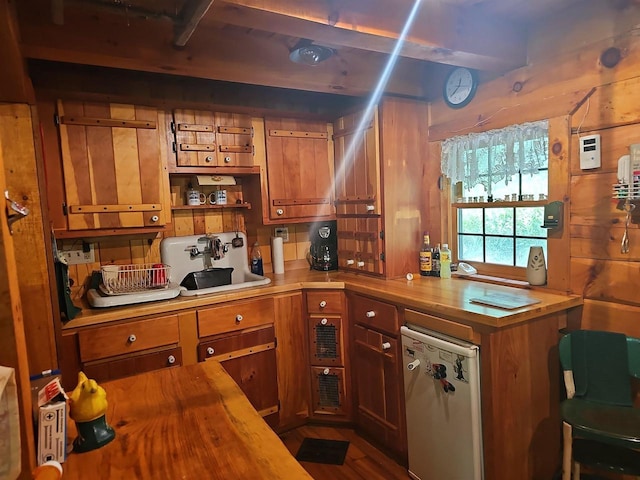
241, 336
107, 352
328, 334
114, 168
380, 223
204, 139
299, 160
376, 354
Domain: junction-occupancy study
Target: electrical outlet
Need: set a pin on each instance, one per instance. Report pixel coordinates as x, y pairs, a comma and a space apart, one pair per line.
282, 232
77, 256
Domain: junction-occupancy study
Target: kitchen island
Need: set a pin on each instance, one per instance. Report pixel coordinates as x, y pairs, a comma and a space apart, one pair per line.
189, 422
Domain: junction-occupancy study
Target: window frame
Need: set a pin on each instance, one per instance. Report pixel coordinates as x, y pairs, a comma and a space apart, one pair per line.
485, 268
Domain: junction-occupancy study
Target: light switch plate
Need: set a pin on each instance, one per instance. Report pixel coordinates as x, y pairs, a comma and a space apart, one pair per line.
282, 232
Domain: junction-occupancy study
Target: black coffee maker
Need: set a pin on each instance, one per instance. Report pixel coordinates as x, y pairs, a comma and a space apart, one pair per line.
323, 252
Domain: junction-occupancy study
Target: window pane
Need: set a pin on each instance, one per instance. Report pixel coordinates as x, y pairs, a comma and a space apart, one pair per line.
522, 249
529, 222
470, 220
536, 184
499, 250
470, 248
499, 221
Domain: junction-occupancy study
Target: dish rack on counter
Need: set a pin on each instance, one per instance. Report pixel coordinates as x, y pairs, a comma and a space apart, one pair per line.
134, 278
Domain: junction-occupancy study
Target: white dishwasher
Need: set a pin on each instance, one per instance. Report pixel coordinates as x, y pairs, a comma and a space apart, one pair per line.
442, 393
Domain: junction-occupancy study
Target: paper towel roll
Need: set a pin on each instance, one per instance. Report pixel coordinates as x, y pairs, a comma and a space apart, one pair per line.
277, 255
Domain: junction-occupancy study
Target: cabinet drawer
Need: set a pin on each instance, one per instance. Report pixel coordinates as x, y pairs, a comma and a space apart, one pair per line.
237, 316
324, 301
110, 341
103, 371
237, 344
372, 313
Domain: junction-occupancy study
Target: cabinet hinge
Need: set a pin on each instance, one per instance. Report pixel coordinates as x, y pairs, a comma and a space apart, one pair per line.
174, 147
381, 234
275, 342
173, 126
65, 210
252, 133
382, 257
253, 150
56, 119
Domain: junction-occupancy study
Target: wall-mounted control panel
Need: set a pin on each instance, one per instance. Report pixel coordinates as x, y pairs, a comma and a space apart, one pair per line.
589, 151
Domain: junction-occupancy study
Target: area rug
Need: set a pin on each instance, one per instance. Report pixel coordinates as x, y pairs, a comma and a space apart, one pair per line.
318, 450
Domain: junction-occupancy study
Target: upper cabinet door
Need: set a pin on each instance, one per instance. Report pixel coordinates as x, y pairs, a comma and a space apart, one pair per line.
356, 162
299, 170
211, 139
113, 167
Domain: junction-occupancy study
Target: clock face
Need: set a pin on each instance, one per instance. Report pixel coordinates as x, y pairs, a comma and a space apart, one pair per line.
460, 87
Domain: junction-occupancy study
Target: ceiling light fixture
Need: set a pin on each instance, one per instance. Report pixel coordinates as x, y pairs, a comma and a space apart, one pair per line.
306, 53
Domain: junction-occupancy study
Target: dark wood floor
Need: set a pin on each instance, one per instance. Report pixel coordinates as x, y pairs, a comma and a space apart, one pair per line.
363, 461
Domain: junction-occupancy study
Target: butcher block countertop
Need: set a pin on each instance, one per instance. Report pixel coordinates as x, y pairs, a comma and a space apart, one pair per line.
446, 298
189, 422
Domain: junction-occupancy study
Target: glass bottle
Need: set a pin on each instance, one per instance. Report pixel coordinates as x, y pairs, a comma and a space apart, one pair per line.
256, 260
445, 261
425, 256
435, 261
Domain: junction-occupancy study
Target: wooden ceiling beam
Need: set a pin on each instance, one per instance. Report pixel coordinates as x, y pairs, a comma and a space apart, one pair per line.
220, 54
441, 32
191, 14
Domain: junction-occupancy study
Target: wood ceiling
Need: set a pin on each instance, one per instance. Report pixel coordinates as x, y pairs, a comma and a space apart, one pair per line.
249, 41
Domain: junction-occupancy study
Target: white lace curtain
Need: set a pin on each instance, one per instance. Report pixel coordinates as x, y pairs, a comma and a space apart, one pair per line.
489, 157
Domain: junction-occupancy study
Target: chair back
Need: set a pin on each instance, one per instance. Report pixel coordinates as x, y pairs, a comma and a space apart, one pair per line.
598, 364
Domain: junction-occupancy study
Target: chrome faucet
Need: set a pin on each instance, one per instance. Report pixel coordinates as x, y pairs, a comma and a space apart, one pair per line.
209, 240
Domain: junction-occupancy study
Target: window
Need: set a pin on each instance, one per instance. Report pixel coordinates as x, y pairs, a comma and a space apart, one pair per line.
501, 183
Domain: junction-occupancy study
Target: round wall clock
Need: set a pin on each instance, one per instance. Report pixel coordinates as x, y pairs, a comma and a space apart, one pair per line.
460, 87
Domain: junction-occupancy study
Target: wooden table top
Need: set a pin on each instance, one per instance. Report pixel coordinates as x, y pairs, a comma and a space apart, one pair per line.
189, 422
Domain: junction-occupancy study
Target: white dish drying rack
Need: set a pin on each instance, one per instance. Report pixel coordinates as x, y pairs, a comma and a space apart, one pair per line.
134, 278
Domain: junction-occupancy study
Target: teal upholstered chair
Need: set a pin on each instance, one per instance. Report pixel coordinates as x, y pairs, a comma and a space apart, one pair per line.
601, 428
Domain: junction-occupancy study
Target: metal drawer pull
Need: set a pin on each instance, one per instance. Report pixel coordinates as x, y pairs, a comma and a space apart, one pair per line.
413, 365
386, 346
351, 261
155, 218
279, 211
132, 338
323, 304
208, 159
210, 351
324, 321
239, 318
360, 264
171, 359
370, 314
325, 371
370, 208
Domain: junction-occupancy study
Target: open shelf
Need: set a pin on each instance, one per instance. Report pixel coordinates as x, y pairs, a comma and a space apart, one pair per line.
212, 207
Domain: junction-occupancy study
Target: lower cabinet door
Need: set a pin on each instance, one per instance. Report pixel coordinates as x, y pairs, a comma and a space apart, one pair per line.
328, 393
379, 389
105, 370
250, 359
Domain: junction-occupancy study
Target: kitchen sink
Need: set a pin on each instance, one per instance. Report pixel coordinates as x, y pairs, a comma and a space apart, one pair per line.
198, 253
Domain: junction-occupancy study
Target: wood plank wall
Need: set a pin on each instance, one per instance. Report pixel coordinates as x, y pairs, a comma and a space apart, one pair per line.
566, 77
